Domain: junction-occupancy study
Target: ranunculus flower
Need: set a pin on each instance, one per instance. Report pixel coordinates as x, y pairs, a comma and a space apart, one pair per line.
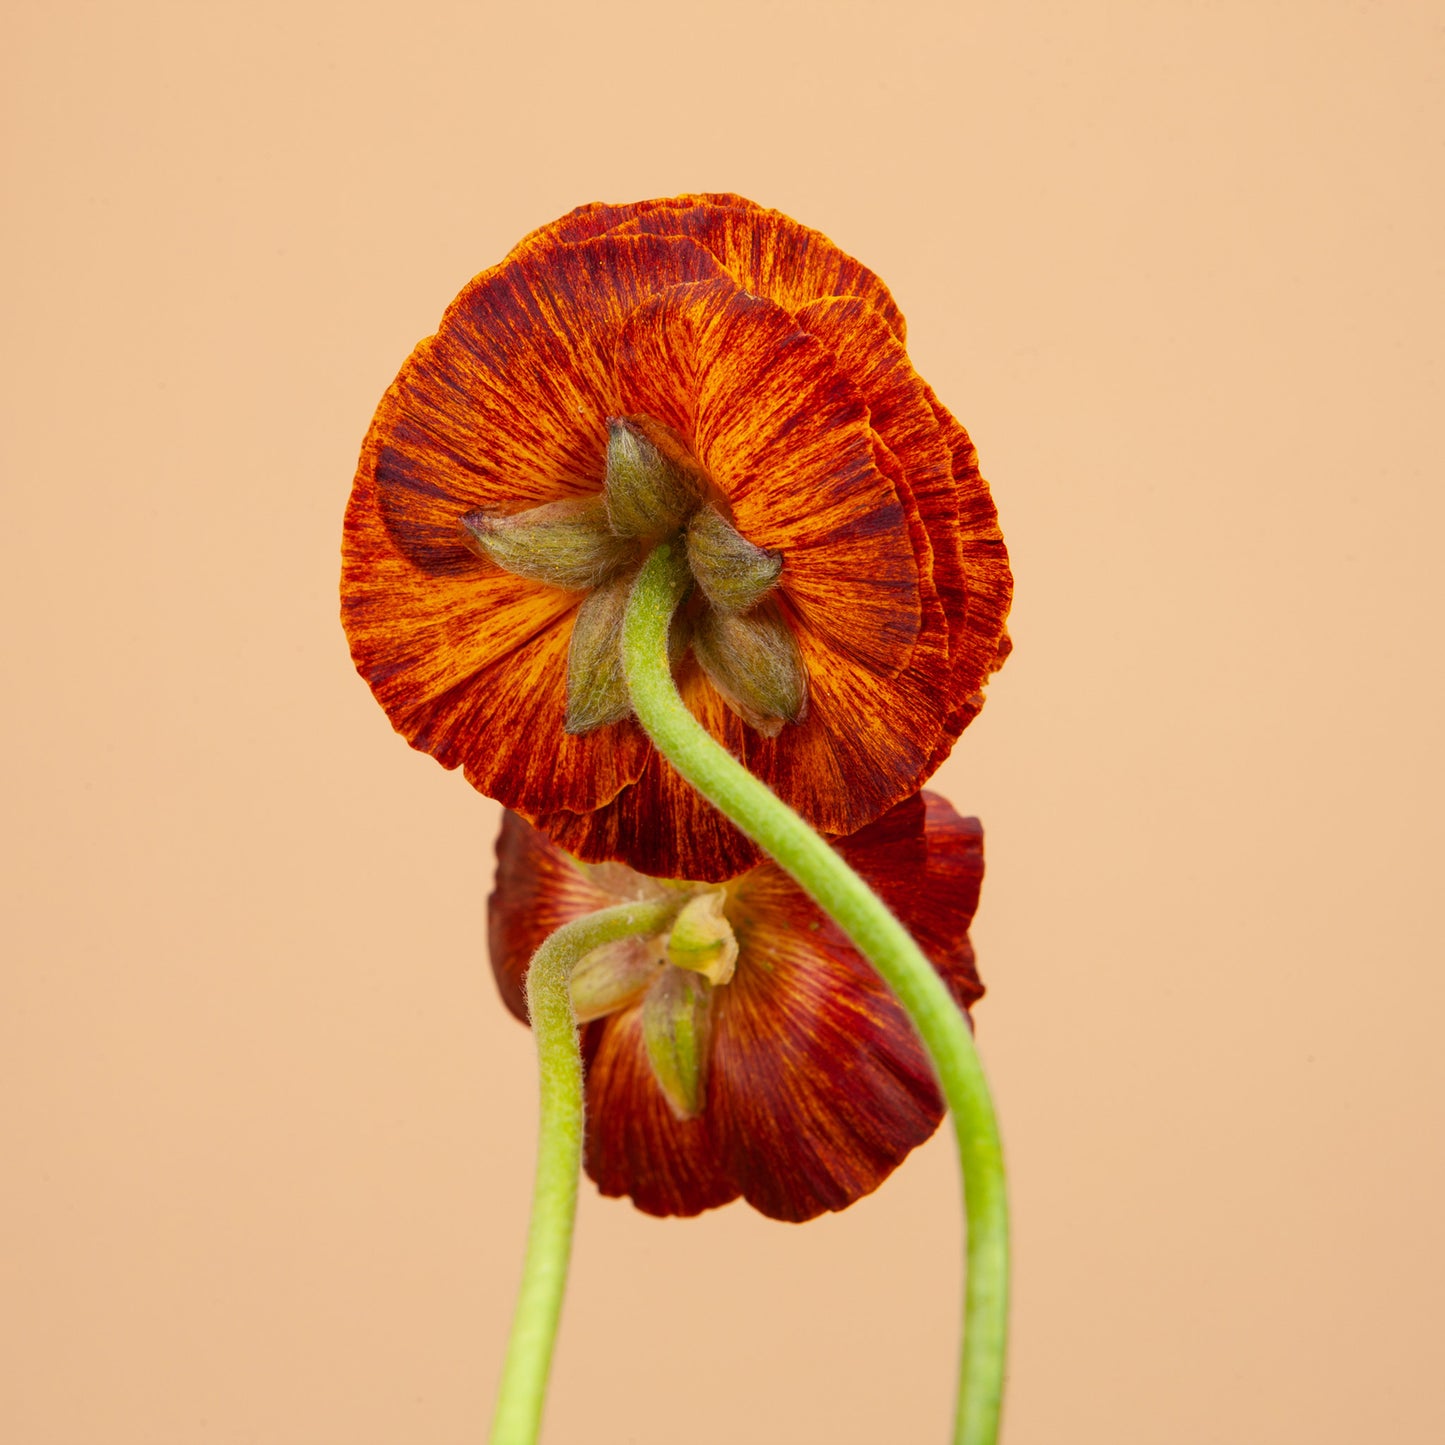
703, 369
749, 1051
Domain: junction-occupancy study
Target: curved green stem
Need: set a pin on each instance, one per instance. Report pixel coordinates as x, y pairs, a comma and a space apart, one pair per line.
523, 1389
879, 937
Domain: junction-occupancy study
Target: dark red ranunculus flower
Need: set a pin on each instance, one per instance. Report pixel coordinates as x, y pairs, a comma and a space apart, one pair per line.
751, 1051
704, 369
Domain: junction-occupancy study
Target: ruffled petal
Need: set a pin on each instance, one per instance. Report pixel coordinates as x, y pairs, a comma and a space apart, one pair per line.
866, 742
506, 406
598, 217
635, 1145
770, 254
819, 1086
503, 409
934, 896
784, 437
471, 667
416, 634
900, 412
474, 672
981, 642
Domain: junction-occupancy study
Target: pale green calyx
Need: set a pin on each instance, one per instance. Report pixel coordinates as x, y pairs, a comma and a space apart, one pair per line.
676, 1027
702, 940
564, 544
754, 662
730, 572
613, 976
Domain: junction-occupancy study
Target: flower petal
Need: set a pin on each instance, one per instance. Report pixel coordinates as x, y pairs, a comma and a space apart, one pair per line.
660, 823
505, 408
472, 669
900, 412
865, 743
970, 562
935, 899
770, 254
981, 642
818, 1084
599, 217
635, 1144
818, 1087
785, 438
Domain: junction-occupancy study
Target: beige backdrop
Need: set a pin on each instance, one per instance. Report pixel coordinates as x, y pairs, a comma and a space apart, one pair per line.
266, 1129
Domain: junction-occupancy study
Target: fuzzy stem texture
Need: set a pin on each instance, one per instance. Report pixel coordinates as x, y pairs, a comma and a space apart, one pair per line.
523, 1389
880, 938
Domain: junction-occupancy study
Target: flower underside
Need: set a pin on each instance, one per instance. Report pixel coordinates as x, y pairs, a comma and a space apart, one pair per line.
746, 1047
782, 362
654, 490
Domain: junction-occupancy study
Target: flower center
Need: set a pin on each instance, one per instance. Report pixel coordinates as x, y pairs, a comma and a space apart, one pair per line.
673, 976
655, 490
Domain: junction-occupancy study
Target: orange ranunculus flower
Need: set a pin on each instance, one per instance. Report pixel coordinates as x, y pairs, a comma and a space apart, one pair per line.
702, 368
751, 1051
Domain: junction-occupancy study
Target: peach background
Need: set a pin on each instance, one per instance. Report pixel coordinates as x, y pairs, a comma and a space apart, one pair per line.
266, 1129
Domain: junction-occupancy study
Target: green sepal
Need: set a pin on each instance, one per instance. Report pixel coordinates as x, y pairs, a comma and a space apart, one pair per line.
651, 486
596, 689
564, 544
754, 661
676, 1031
732, 574
613, 976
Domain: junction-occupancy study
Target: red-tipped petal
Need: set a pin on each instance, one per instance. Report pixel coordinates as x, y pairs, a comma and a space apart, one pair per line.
635, 1144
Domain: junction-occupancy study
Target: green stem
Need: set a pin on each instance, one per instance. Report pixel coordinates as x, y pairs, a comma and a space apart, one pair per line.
523, 1389
879, 937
